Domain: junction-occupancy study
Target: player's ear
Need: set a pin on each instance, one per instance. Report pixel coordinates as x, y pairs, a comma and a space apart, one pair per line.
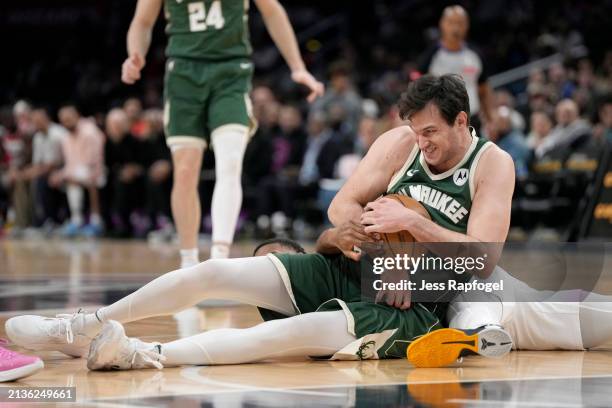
461, 120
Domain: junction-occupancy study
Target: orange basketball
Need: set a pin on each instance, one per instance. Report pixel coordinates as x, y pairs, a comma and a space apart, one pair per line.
404, 236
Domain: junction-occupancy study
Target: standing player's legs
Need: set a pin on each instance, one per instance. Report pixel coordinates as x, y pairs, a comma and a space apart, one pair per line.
230, 119
185, 96
185, 199
229, 143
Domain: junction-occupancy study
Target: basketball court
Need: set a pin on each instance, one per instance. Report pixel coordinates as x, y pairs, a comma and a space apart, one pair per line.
59, 276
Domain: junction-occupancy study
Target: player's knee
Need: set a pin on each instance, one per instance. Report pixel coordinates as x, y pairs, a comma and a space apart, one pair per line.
214, 272
185, 176
230, 166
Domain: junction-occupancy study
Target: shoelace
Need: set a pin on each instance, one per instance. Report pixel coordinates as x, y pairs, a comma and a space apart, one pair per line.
149, 356
65, 322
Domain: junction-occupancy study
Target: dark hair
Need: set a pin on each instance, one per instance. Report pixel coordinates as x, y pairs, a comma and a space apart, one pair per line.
70, 104
288, 243
447, 92
340, 67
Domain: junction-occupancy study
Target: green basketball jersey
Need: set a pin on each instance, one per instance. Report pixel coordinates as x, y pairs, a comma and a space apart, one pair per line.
446, 196
207, 29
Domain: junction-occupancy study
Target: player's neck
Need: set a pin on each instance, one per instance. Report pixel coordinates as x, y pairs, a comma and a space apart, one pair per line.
451, 45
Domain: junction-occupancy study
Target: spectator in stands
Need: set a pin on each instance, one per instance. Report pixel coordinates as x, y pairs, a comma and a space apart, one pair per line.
501, 132
452, 55
540, 125
133, 110
323, 148
125, 159
289, 143
159, 173
17, 148
258, 155
347, 163
570, 127
22, 112
83, 153
46, 158
340, 96
539, 100
603, 129
585, 93
560, 85
287, 147
367, 134
505, 98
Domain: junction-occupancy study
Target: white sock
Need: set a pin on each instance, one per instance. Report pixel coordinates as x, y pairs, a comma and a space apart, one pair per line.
95, 219
189, 257
229, 143
75, 195
219, 251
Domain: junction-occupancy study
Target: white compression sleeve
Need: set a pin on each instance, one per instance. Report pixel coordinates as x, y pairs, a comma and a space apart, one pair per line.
75, 195
310, 334
596, 320
253, 281
229, 143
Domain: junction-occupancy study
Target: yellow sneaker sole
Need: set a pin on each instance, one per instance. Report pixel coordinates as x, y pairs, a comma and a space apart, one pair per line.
444, 346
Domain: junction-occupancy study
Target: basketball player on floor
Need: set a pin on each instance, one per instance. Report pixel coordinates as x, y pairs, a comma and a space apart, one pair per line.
314, 293
206, 101
308, 294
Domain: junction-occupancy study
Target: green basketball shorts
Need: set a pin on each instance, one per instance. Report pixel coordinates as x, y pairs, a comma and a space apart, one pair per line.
318, 283
201, 96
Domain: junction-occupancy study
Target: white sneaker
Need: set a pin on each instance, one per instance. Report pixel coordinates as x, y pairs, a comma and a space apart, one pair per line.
113, 350
40, 333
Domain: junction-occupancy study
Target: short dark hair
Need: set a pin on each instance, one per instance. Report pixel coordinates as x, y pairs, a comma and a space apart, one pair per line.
286, 242
447, 92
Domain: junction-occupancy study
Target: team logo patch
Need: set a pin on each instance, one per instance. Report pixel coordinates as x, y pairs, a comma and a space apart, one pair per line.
461, 176
411, 173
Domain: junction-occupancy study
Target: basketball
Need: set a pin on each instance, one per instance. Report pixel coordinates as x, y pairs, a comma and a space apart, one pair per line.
404, 236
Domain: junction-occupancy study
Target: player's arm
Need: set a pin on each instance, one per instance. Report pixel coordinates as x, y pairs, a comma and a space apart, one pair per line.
489, 216
385, 157
139, 39
280, 29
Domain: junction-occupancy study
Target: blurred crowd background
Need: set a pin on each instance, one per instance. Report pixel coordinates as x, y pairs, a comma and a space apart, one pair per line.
62, 78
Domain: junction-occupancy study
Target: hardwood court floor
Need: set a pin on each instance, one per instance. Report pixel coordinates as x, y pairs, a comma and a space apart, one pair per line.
51, 277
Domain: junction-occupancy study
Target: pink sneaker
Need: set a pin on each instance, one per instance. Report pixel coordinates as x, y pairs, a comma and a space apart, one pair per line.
14, 365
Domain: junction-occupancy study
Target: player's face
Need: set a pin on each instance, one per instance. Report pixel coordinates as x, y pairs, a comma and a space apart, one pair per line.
435, 137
